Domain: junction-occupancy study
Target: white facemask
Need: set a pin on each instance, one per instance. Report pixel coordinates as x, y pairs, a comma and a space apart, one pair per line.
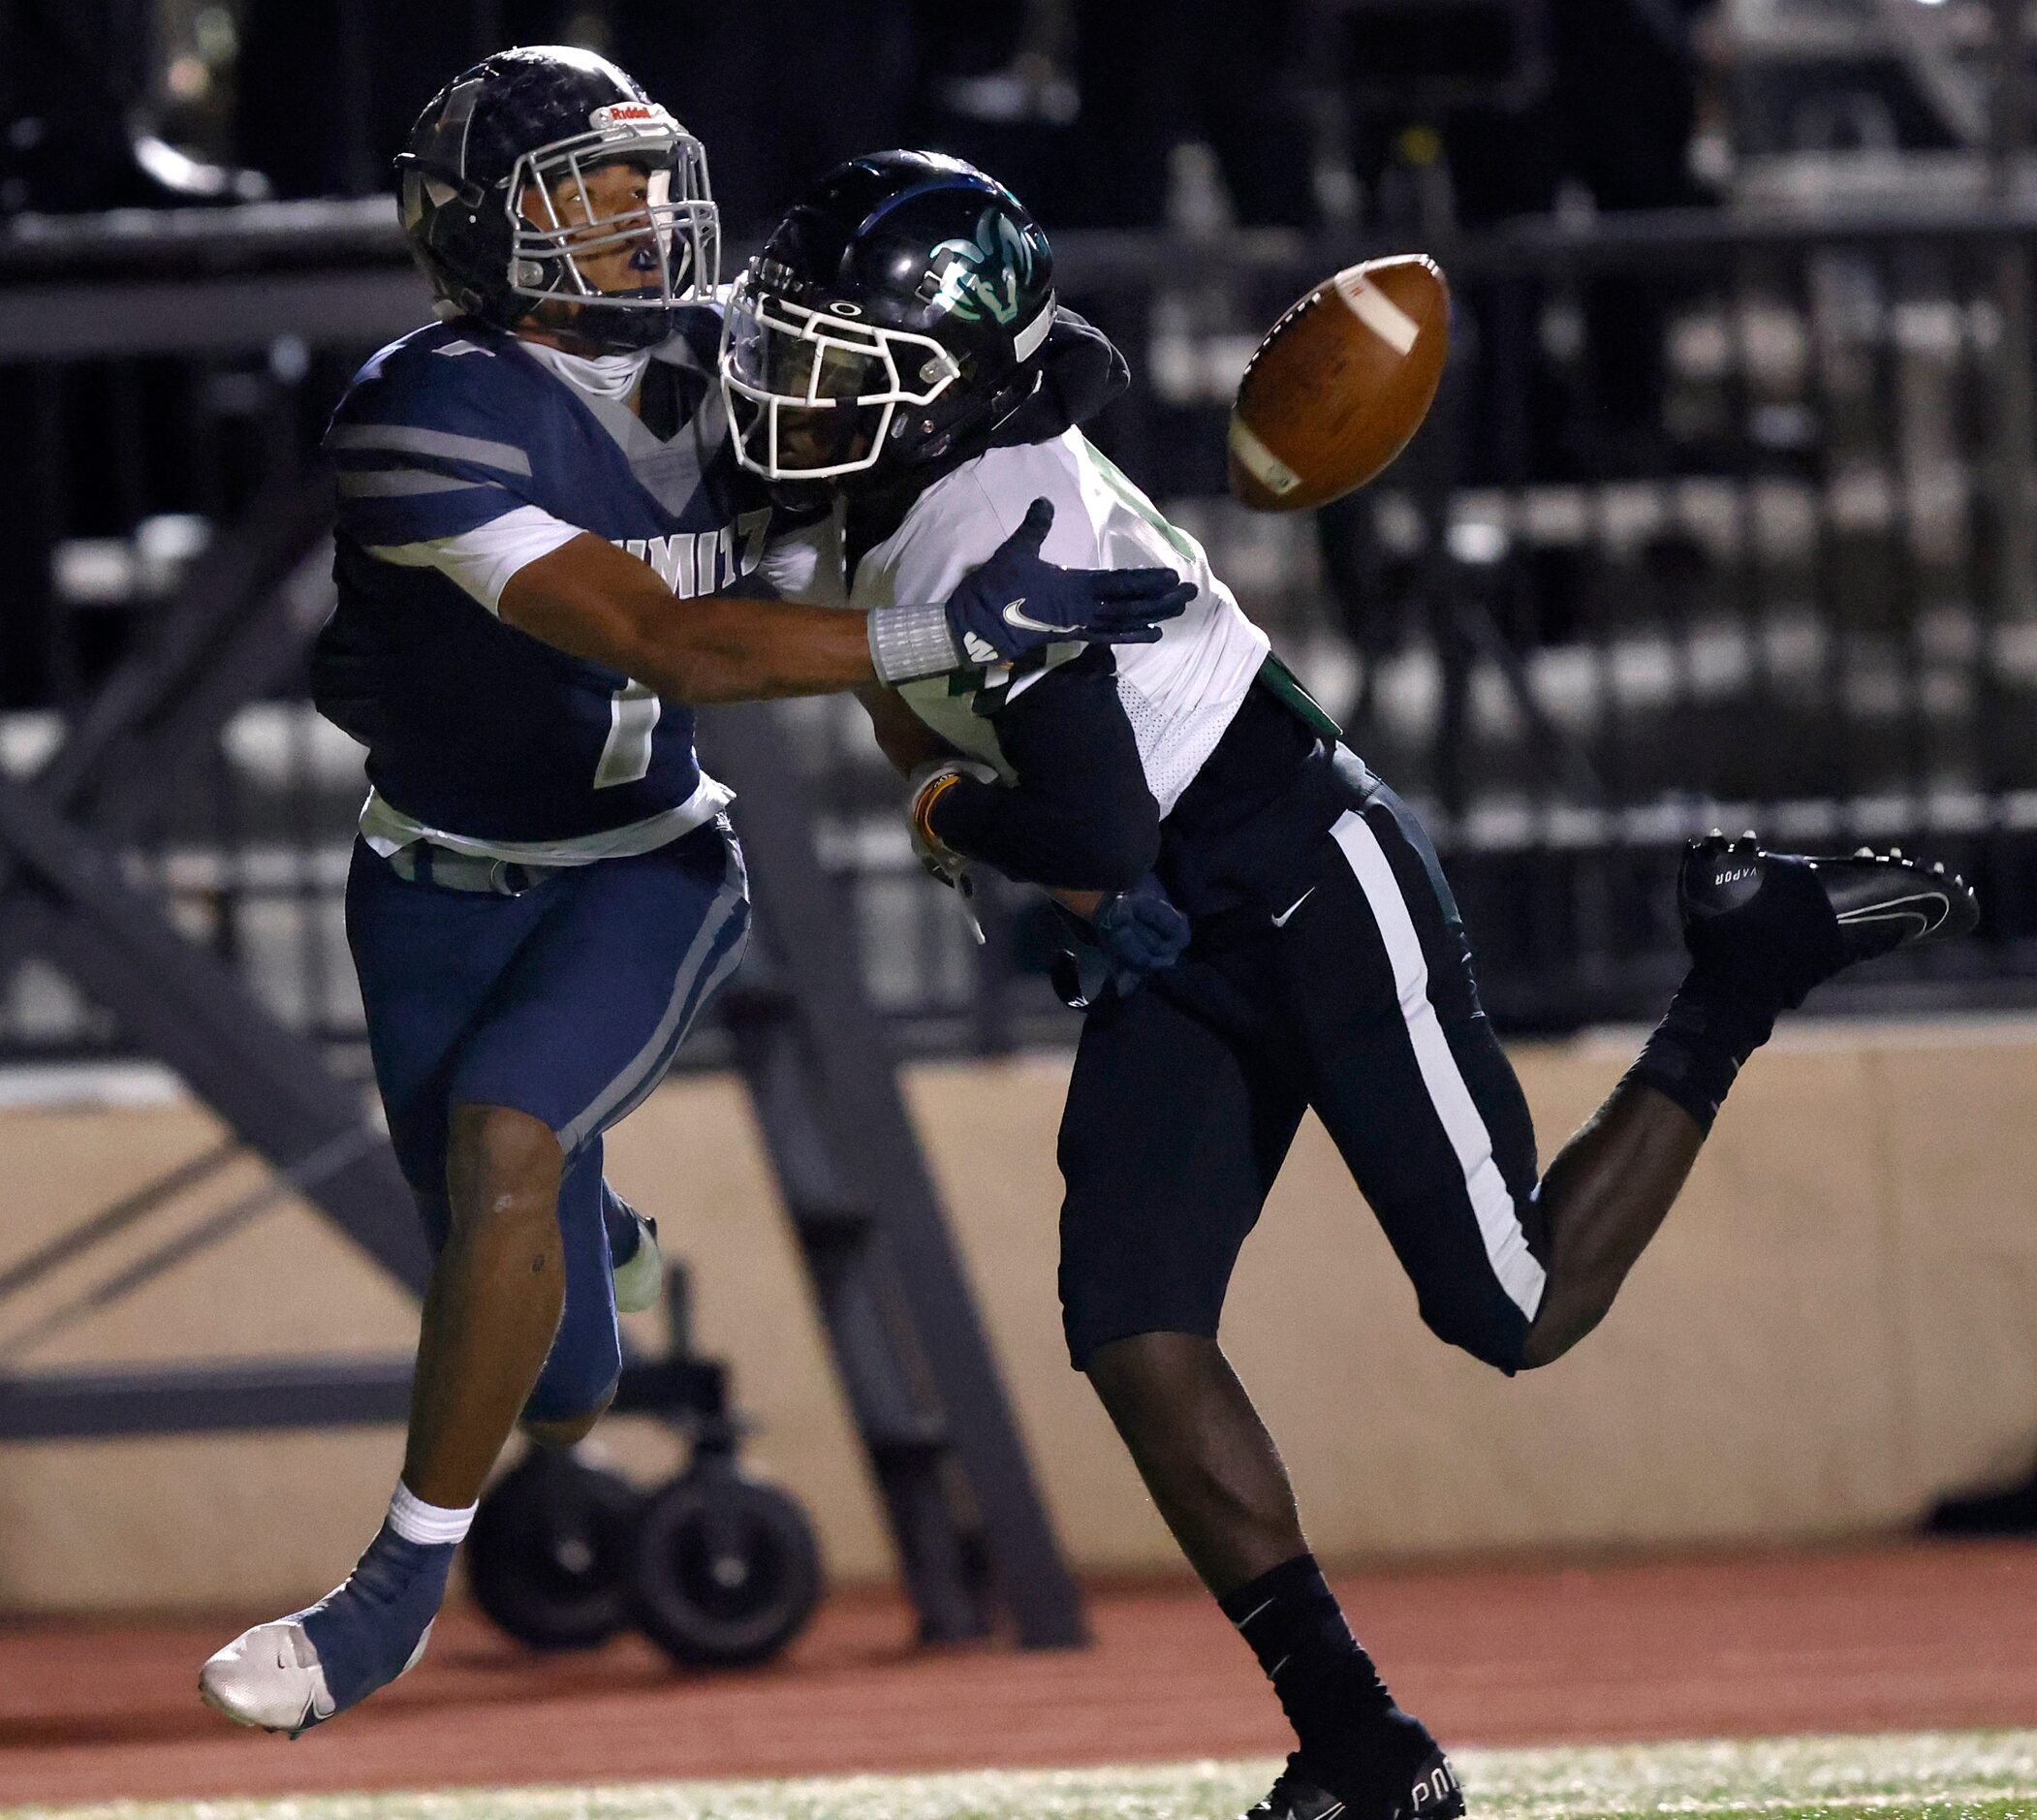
611, 376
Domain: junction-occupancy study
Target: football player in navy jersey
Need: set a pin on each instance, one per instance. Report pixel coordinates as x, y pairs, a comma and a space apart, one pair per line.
1280, 932
547, 554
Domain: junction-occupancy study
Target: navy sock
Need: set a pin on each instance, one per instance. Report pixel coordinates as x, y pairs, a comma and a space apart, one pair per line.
366, 1630
1352, 1736
1703, 1041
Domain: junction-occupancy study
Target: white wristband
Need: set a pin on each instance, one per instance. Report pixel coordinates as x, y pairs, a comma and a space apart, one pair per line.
907, 642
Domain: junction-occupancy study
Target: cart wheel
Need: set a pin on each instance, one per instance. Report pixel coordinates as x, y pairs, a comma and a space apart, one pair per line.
548, 1556
727, 1569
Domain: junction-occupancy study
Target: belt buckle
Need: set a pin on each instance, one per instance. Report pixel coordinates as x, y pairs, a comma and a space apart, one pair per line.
499, 872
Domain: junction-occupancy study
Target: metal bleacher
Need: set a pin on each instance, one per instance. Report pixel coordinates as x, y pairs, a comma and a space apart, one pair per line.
1560, 640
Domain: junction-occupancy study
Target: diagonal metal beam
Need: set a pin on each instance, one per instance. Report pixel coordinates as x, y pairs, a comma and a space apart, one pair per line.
233, 627
238, 622
810, 936
182, 1004
237, 625
129, 1211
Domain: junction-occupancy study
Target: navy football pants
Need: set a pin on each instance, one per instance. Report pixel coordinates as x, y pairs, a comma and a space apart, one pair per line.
567, 1003
1359, 1003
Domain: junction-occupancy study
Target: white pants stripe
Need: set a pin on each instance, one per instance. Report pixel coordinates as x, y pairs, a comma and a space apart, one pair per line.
689, 993
1498, 1224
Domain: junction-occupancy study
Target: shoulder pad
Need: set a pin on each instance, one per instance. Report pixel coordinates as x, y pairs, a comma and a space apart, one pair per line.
448, 376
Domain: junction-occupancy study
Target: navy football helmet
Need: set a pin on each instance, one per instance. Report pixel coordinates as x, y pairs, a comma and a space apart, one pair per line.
499, 150
891, 322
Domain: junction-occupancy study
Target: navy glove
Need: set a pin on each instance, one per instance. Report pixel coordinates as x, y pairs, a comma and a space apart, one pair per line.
1140, 933
1015, 604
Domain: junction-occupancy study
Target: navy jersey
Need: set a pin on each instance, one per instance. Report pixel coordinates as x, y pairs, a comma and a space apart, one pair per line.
456, 435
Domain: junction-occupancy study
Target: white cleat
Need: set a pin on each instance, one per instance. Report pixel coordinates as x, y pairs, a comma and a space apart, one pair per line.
270, 1677
641, 1281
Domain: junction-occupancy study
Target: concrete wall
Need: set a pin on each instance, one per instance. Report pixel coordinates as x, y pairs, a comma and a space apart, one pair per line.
1837, 1324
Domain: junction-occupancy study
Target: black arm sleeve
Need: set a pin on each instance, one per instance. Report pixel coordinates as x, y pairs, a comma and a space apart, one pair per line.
1081, 817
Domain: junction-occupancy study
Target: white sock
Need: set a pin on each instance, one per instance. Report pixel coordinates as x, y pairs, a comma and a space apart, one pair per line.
427, 1525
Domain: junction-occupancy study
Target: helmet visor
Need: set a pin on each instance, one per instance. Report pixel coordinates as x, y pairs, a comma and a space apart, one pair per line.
812, 393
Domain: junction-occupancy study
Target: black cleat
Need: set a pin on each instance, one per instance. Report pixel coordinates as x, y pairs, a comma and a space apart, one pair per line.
1431, 1792
1777, 924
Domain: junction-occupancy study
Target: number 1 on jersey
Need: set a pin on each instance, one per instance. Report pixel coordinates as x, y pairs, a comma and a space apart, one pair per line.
633, 717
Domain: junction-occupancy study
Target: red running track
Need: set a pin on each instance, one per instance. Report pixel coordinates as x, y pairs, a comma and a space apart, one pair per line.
1892, 1638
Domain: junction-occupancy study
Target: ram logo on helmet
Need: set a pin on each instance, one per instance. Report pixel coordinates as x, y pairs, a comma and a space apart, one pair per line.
960, 284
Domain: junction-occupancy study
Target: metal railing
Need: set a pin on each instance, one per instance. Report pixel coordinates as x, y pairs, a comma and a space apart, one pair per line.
1716, 519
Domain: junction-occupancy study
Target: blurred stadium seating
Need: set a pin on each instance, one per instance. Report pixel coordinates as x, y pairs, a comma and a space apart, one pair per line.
1725, 515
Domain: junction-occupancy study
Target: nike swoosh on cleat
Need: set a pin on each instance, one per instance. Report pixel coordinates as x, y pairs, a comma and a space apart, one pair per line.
1927, 910
1014, 617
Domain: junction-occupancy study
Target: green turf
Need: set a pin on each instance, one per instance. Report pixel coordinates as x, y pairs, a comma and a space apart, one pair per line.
1975, 1776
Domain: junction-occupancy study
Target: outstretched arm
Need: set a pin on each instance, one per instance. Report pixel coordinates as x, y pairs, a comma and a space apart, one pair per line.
600, 603
597, 602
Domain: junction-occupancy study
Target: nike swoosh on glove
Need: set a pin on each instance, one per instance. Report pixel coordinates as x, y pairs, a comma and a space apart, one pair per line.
1017, 604
1141, 933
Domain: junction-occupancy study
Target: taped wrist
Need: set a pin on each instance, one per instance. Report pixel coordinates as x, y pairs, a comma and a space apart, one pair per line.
907, 642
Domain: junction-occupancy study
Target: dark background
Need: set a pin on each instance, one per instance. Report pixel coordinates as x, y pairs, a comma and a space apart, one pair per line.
1721, 515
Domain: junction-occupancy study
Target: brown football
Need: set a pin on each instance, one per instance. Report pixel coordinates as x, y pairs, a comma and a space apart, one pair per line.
1339, 384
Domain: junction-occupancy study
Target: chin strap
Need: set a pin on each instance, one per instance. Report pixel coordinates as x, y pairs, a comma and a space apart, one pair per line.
968, 438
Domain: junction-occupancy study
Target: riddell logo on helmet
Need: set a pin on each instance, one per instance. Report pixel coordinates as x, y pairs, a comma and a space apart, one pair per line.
627, 114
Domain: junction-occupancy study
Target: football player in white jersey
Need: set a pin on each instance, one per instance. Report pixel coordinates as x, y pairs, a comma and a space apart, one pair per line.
1280, 931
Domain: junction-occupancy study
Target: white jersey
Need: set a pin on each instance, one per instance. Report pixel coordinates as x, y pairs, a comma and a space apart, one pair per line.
1179, 694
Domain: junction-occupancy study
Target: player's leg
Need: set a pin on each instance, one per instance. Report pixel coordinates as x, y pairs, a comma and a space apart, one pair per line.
1171, 1139
1192, 1430
1411, 1083
1155, 1212
1401, 1066
493, 1305
1763, 929
579, 1029
430, 960
1602, 1202
576, 1382
526, 1261
1217, 1478
635, 1259
519, 1323
582, 1028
